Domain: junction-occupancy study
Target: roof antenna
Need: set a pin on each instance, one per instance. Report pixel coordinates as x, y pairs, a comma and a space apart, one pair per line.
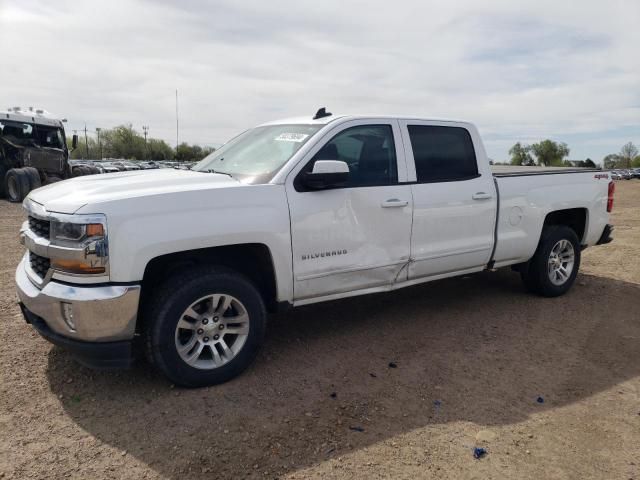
321, 113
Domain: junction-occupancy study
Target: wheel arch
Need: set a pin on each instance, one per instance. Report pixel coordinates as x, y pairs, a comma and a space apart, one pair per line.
574, 218
254, 260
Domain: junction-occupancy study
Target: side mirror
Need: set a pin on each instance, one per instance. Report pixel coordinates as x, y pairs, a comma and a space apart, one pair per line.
327, 174
74, 142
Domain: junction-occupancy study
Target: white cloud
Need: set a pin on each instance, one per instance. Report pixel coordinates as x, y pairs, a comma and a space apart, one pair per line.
518, 69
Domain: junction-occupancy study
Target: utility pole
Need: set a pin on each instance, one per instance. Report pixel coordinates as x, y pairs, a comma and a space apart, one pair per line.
86, 141
145, 129
99, 143
176, 122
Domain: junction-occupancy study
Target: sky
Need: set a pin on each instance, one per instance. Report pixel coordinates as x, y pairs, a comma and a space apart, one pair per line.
520, 70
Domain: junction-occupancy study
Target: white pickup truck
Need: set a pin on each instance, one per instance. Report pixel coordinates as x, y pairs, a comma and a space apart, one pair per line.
188, 263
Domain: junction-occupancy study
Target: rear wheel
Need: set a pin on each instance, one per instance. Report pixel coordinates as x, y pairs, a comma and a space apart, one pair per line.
34, 177
554, 267
16, 185
3, 172
204, 327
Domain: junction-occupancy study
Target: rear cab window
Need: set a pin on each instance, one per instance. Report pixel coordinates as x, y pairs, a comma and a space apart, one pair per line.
442, 153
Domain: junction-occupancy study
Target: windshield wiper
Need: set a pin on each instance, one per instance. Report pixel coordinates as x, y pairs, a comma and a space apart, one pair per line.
211, 170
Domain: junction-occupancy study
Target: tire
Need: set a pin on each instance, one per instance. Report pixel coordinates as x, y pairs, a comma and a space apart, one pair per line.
16, 185
3, 172
168, 306
76, 171
34, 177
544, 273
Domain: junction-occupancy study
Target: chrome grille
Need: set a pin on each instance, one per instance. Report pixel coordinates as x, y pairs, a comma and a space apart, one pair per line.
39, 227
39, 264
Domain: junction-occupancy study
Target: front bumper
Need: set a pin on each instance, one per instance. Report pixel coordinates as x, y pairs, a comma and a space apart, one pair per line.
102, 355
82, 313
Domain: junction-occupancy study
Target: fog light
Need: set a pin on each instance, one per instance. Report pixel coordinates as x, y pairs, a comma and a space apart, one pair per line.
67, 314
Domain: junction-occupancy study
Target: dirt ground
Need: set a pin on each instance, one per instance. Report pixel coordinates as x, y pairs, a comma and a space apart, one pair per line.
473, 356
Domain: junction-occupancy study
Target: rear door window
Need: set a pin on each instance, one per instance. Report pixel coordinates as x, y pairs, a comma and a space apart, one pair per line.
442, 154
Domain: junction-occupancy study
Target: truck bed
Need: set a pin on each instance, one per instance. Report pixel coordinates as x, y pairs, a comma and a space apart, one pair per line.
518, 170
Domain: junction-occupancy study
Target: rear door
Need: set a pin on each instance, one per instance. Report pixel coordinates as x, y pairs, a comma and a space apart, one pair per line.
354, 237
454, 198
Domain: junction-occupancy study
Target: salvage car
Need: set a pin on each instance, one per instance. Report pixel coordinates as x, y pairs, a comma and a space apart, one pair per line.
33, 151
186, 264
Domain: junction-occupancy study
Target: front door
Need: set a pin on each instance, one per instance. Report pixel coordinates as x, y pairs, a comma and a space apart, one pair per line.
357, 236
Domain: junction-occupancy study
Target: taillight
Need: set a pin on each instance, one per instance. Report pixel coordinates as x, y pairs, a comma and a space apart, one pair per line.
612, 189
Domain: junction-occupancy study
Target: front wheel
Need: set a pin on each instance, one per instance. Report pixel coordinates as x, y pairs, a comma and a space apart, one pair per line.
554, 267
204, 327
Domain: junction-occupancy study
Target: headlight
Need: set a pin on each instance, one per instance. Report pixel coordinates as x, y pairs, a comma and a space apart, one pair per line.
81, 242
75, 232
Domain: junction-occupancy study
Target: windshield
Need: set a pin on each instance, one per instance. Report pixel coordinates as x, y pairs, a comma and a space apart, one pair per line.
257, 154
28, 135
49, 136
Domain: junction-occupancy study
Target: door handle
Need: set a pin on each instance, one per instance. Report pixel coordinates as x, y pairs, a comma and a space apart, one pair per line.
394, 202
481, 196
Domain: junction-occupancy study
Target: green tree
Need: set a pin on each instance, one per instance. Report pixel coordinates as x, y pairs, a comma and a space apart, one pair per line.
192, 153
159, 150
81, 150
549, 152
611, 161
636, 162
627, 154
520, 155
125, 142
589, 163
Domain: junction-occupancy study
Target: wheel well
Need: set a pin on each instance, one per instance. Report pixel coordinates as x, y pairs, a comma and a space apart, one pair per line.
253, 260
574, 218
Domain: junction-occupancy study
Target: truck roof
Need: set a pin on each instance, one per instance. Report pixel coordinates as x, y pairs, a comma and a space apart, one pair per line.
37, 117
330, 118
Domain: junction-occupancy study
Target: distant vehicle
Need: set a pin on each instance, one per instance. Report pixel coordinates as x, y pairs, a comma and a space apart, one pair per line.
79, 168
33, 151
126, 166
636, 172
616, 175
132, 165
111, 167
107, 167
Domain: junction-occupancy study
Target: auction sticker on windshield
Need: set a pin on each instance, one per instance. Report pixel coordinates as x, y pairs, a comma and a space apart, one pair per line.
291, 137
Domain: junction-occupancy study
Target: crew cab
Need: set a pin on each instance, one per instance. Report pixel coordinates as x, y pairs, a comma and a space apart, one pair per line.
186, 264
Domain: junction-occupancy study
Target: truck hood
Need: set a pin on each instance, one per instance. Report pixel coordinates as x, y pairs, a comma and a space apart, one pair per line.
71, 195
